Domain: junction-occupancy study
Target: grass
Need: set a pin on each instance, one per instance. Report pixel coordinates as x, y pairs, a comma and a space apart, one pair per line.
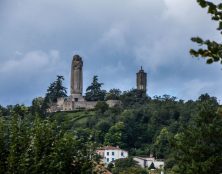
71, 118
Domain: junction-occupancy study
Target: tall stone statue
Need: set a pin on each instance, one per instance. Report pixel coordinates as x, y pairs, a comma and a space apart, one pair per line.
76, 75
141, 80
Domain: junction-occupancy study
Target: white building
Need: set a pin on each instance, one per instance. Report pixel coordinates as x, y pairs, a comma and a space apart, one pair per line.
110, 153
147, 161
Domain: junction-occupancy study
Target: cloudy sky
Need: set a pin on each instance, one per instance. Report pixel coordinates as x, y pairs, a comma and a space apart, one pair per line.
38, 39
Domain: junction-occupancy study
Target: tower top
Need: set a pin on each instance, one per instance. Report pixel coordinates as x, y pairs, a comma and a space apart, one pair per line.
141, 70
141, 79
77, 58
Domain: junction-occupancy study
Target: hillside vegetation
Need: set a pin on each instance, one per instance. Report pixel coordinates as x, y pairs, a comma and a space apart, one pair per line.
164, 127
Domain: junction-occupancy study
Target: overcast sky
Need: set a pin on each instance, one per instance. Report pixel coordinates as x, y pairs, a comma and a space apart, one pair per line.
115, 37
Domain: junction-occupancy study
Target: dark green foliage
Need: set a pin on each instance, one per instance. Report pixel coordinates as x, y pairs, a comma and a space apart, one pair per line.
42, 147
133, 97
4, 111
125, 163
36, 108
152, 166
127, 166
198, 148
113, 94
161, 144
101, 106
134, 170
110, 166
94, 92
115, 135
212, 50
54, 91
160, 126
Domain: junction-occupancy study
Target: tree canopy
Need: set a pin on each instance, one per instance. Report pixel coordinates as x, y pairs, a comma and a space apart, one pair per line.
94, 91
198, 146
54, 91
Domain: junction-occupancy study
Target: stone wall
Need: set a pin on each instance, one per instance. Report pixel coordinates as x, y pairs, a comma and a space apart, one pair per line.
113, 103
69, 104
84, 105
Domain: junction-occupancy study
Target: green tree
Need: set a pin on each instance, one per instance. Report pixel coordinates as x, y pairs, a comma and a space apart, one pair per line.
36, 108
101, 106
127, 166
3, 147
125, 163
113, 94
54, 91
4, 111
115, 135
43, 147
134, 170
134, 98
198, 148
211, 50
161, 144
20, 110
94, 91
152, 166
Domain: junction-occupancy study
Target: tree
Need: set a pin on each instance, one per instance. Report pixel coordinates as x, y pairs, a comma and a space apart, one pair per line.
152, 166
94, 92
133, 97
4, 111
127, 166
113, 94
36, 108
198, 148
102, 106
54, 91
212, 50
115, 135
161, 144
43, 147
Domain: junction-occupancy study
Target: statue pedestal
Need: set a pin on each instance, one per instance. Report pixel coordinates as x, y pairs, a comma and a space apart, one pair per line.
77, 98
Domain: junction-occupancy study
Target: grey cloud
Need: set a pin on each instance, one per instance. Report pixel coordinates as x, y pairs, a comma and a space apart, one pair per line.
114, 38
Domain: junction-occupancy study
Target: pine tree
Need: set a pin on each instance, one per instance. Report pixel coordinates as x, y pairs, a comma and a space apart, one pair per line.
54, 91
94, 92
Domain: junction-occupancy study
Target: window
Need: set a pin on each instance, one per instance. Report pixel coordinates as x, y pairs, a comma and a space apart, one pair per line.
113, 153
107, 153
107, 159
113, 159
76, 99
122, 154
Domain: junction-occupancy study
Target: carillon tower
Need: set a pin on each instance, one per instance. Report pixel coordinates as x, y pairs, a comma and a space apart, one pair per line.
141, 80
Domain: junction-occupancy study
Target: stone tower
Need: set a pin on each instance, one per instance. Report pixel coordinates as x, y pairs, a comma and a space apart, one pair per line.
76, 76
141, 80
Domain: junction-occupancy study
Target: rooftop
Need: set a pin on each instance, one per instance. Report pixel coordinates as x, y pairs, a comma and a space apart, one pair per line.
109, 148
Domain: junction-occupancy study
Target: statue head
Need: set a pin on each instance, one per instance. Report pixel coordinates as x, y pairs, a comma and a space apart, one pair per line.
77, 62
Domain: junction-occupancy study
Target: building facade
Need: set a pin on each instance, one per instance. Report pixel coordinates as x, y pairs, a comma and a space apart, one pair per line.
110, 154
145, 162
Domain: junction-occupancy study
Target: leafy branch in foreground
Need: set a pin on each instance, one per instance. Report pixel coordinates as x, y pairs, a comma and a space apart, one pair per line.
211, 50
